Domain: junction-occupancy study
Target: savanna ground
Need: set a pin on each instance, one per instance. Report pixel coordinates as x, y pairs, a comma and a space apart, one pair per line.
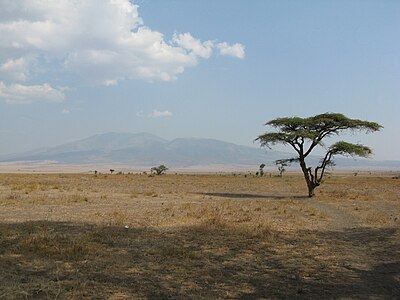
63, 236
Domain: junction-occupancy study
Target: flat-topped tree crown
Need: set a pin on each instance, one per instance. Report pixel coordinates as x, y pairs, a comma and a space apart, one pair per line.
304, 134
348, 149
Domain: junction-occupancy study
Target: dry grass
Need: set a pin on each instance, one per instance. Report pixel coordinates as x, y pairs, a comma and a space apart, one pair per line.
198, 236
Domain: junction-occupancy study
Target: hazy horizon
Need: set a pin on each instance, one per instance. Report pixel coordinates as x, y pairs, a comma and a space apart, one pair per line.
205, 69
287, 150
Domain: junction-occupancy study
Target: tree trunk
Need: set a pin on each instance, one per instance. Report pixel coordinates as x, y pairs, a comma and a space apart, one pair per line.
310, 184
311, 188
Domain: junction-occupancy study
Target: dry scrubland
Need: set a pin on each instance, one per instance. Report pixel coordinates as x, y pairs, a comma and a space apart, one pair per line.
62, 236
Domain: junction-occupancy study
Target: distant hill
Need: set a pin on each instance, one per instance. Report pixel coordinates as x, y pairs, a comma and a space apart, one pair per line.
143, 149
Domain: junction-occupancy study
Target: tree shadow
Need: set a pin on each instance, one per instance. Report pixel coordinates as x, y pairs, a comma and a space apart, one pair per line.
254, 196
208, 261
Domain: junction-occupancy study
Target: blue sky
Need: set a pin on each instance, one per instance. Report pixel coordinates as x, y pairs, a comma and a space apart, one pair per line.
187, 68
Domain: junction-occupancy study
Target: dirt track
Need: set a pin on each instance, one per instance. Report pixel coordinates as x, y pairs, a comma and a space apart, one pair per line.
340, 219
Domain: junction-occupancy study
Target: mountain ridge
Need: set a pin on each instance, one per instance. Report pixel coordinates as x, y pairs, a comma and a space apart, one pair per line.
145, 149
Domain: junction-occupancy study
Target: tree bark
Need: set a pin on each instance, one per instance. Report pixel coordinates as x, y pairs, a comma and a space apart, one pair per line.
306, 175
309, 180
311, 188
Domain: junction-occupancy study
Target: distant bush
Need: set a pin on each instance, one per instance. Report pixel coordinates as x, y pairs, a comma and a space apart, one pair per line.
261, 172
161, 169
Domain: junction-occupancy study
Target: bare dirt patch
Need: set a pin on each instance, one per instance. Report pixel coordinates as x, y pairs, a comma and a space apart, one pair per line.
198, 236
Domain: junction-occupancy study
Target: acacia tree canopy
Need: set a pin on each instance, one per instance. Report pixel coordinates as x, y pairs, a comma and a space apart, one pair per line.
304, 134
161, 169
348, 149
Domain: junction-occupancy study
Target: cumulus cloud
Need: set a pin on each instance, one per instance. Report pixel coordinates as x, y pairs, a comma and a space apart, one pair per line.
161, 114
97, 41
20, 94
204, 49
236, 50
194, 46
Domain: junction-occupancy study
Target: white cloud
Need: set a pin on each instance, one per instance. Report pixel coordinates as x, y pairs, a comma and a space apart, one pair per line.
161, 114
205, 49
110, 82
65, 111
236, 50
194, 46
98, 41
22, 94
15, 69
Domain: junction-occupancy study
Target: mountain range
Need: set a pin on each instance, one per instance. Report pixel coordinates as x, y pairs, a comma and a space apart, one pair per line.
144, 149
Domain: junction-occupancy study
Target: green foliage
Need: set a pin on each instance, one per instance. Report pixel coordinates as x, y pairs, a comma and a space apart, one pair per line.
161, 169
304, 134
314, 129
348, 149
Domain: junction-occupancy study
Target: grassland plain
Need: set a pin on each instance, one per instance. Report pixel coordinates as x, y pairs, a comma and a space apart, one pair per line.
77, 236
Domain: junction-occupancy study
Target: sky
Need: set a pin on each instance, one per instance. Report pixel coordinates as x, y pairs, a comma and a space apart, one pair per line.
187, 68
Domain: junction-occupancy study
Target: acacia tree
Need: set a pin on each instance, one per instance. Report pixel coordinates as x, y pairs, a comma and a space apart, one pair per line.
161, 169
304, 134
282, 164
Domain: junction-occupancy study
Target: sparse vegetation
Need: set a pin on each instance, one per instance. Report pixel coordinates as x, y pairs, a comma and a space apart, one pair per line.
261, 170
282, 164
197, 236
